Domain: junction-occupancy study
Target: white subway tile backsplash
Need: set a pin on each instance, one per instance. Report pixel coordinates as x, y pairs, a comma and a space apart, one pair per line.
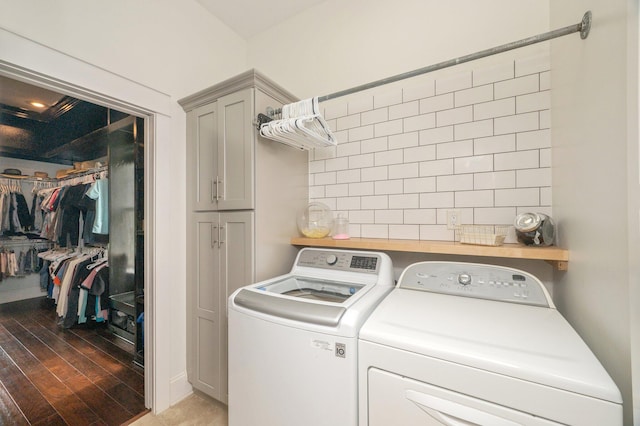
476, 129
532, 64
437, 103
494, 144
404, 232
385, 96
436, 200
375, 202
454, 183
494, 215
545, 157
361, 188
375, 231
420, 153
499, 108
361, 216
348, 148
333, 164
340, 190
404, 140
388, 216
454, 82
418, 185
420, 216
545, 119
362, 102
436, 167
533, 140
472, 96
454, 116
360, 161
374, 173
494, 180
516, 160
404, 201
348, 203
517, 197
388, 128
478, 141
349, 176
360, 133
419, 122
533, 102
326, 178
384, 158
474, 198
530, 178
440, 134
404, 110
374, 145
388, 187
334, 109
454, 149
493, 73
479, 163
436, 232
517, 86
418, 89
375, 116
402, 171
348, 122
516, 123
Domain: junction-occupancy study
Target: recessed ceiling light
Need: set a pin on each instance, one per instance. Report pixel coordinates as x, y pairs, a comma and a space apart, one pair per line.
37, 104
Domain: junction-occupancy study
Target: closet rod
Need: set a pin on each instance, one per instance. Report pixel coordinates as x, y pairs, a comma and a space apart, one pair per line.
582, 27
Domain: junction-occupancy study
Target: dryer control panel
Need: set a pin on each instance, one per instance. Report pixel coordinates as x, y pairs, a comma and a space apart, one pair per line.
476, 280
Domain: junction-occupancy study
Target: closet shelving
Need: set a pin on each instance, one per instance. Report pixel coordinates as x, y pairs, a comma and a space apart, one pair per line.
556, 256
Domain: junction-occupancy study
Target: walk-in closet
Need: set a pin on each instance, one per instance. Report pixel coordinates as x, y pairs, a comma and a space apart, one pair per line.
71, 259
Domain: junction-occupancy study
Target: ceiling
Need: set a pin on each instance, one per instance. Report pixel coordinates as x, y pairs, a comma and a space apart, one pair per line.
250, 17
65, 130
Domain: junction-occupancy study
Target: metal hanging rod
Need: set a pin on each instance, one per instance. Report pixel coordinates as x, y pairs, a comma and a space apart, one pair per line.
583, 27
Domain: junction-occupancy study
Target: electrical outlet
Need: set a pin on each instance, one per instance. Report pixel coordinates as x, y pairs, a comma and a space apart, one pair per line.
453, 219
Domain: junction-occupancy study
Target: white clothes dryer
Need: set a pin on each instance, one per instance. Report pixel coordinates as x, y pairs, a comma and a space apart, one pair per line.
293, 346
470, 344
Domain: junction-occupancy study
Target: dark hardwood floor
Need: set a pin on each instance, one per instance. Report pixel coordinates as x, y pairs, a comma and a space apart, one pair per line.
51, 376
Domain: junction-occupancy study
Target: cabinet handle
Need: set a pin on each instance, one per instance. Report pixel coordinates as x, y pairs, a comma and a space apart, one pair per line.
215, 232
214, 190
217, 190
220, 234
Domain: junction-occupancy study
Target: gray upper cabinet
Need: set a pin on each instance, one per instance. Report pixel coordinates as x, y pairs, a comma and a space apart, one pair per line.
220, 150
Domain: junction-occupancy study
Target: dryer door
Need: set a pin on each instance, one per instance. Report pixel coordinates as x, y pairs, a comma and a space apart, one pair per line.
397, 400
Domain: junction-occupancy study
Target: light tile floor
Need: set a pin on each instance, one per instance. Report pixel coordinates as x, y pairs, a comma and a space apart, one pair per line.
194, 410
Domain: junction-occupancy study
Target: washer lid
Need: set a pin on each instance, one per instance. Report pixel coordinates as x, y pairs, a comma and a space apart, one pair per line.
531, 343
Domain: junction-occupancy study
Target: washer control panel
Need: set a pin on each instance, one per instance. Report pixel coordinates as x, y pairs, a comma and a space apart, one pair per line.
476, 280
339, 260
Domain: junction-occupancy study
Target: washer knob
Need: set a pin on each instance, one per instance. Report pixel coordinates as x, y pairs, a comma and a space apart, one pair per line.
332, 259
464, 279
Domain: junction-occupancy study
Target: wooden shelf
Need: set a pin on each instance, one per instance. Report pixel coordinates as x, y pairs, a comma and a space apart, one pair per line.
556, 256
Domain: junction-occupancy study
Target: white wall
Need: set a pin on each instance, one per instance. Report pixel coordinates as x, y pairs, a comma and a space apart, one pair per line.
175, 48
595, 196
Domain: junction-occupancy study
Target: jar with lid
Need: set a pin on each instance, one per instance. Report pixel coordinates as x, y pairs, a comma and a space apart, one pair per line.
535, 229
341, 228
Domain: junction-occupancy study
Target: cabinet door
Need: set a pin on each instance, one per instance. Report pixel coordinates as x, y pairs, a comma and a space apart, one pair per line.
236, 151
236, 261
204, 307
202, 157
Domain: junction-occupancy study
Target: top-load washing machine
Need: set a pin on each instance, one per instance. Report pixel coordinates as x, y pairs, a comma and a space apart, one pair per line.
293, 339
469, 344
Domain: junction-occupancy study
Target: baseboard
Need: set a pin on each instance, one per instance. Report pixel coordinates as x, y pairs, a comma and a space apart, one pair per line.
180, 388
